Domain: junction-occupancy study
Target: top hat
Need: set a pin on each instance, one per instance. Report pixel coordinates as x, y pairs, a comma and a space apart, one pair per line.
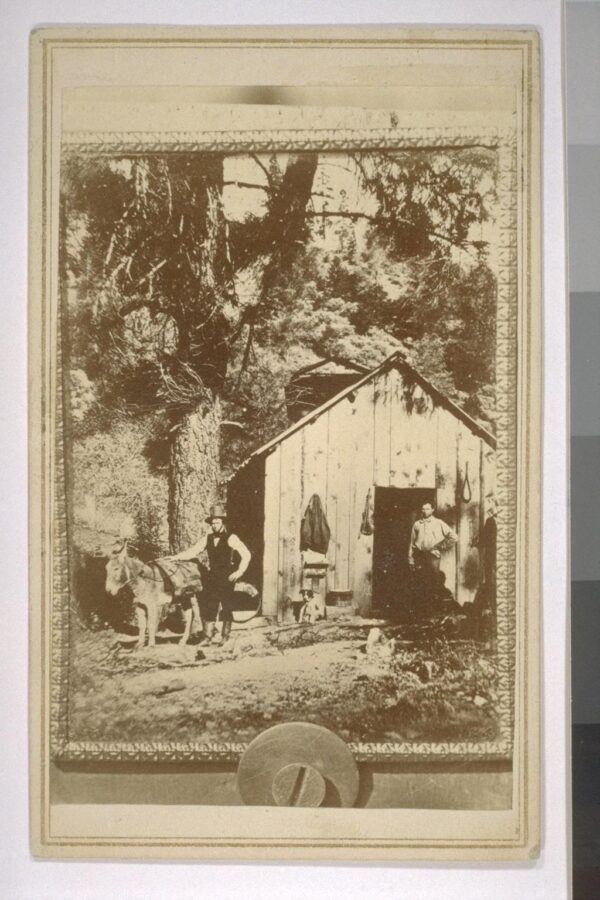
216, 512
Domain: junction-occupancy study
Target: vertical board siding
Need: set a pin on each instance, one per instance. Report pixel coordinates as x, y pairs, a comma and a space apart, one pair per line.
339, 492
423, 431
290, 516
400, 475
356, 465
382, 408
314, 460
330, 499
426, 477
270, 606
488, 477
345, 498
488, 492
314, 467
363, 450
468, 532
446, 466
413, 435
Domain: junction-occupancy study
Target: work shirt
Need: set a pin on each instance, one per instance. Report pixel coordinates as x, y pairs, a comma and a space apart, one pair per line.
430, 535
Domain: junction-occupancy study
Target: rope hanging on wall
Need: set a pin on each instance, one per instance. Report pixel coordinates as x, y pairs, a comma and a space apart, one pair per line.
466, 488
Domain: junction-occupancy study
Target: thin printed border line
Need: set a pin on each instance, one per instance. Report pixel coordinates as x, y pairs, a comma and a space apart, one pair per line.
525, 44
503, 142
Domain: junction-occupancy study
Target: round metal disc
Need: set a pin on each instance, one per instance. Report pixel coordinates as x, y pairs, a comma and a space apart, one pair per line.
297, 744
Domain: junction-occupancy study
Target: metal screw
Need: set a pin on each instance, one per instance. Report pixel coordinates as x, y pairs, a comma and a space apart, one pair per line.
298, 785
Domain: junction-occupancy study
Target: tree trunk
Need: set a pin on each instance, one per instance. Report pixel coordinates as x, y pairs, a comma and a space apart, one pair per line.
194, 471
206, 326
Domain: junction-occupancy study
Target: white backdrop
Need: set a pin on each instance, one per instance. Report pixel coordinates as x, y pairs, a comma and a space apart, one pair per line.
20, 875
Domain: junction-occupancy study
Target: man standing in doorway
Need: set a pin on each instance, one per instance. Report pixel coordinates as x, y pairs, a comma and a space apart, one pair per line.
219, 581
429, 537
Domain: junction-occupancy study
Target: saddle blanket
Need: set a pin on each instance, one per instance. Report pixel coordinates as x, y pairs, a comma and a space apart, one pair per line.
181, 575
184, 576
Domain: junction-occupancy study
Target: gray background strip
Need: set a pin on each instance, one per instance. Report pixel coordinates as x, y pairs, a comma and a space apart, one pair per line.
585, 370
583, 133
584, 221
583, 73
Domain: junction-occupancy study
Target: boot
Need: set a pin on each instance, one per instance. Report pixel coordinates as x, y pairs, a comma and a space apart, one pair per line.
208, 632
225, 632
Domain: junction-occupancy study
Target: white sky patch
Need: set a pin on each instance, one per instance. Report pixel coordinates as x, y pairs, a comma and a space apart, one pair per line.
336, 188
239, 202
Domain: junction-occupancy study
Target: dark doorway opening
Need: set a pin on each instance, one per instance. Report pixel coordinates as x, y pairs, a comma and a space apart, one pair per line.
396, 510
246, 511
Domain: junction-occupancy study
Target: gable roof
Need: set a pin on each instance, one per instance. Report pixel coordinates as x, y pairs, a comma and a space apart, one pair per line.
395, 360
330, 366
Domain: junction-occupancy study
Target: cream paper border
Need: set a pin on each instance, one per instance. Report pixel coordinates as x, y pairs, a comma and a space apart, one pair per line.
330, 833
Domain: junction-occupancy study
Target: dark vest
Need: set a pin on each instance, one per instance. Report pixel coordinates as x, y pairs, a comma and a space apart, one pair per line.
220, 554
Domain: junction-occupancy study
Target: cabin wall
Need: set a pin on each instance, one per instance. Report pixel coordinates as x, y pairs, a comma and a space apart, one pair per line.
333, 458
413, 431
290, 516
270, 603
447, 436
469, 514
362, 446
387, 433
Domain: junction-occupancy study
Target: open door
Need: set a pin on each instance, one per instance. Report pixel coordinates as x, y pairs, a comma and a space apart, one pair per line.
395, 512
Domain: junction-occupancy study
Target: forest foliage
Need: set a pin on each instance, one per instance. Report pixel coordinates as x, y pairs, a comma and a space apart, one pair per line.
175, 302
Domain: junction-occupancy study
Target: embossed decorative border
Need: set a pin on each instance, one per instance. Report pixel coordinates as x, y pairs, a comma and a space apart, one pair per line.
504, 144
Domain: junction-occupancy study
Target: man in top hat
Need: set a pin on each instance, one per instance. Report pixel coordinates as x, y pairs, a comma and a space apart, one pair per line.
222, 549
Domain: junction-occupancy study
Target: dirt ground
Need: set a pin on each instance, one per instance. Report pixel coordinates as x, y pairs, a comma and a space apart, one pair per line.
365, 680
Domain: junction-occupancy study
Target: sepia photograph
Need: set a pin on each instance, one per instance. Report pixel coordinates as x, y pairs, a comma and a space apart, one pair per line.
286, 399
280, 420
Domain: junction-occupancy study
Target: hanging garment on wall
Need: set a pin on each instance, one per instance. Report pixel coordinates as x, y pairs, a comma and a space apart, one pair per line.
367, 521
314, 530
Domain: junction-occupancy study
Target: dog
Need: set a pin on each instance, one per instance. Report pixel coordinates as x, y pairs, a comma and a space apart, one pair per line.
309, 608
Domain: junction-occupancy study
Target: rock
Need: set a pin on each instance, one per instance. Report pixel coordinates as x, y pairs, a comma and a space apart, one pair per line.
387, 649
374, 638
486, 668
422, 672
479, 701
177, 685
251, 644
427, 669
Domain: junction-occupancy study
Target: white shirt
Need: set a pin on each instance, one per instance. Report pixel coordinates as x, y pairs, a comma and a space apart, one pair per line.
233, 541
429, 535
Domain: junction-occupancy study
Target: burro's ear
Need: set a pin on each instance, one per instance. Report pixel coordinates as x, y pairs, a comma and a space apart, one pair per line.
119, 548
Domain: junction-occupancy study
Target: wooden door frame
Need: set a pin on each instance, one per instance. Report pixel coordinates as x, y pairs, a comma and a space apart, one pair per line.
428, 495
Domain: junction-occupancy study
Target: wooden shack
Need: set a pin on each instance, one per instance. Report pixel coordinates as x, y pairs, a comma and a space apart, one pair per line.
313, 385
372, 454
